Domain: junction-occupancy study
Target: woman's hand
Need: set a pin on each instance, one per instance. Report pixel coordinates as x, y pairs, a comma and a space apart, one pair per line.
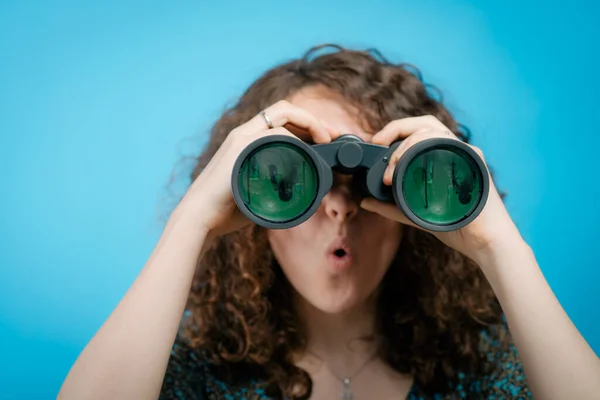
210, 196
492, 231
127, 357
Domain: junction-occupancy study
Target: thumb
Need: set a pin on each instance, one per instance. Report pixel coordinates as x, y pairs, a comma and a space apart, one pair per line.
387, 210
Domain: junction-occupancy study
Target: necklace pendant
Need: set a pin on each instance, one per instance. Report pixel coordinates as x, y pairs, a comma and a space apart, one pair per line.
347, 394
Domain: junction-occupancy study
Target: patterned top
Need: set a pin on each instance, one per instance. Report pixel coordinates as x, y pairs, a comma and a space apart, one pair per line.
189, 378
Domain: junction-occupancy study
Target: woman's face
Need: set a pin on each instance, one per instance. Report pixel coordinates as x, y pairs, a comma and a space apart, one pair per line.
337, 258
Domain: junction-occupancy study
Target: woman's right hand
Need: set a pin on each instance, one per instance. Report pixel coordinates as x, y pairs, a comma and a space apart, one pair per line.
210, 195
156, 300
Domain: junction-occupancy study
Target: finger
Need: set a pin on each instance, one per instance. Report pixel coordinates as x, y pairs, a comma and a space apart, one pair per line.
388, 174
281, 131
402, 128
307, 137
387, 210
283, 113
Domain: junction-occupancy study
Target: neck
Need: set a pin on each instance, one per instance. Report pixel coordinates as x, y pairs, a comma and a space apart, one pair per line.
351, 331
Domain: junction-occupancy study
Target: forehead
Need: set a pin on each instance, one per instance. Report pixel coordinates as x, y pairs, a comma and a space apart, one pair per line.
330, 108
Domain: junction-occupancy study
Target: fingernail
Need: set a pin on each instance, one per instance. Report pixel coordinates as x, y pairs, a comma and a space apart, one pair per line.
387, 175
365, 204
401, 146
375, 138
330, 128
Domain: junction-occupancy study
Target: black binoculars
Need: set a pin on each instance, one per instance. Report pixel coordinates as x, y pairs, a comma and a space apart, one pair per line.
440, 184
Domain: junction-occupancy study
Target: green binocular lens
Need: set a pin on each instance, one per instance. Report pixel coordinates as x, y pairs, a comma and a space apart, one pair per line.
278, 182
440, 184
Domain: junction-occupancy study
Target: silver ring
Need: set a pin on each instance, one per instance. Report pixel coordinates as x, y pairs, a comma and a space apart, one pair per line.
267, 119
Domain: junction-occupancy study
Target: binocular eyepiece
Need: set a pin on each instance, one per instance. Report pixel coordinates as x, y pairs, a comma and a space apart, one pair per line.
440, 184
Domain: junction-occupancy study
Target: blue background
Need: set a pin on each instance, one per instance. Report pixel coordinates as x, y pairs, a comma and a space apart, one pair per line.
99, 102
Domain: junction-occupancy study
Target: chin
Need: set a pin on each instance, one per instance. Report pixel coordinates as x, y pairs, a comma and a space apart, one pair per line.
335, 304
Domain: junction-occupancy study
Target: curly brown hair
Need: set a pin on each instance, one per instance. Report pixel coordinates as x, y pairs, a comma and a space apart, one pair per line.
433, 301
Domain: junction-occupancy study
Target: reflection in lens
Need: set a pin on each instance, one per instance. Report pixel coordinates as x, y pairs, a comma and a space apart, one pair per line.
278, 182
442, 186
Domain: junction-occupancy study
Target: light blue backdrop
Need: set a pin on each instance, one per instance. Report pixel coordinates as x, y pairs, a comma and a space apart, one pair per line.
99, 101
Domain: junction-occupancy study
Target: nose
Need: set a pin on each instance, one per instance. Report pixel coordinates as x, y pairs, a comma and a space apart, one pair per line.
340, 205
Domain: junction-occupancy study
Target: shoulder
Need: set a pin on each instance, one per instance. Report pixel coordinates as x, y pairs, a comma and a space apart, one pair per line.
186, 374
502, 374
189, 376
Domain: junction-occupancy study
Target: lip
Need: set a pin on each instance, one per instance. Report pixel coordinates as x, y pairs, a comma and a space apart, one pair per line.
336, 263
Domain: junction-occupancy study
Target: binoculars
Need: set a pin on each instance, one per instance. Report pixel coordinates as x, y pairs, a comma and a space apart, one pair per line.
440, 184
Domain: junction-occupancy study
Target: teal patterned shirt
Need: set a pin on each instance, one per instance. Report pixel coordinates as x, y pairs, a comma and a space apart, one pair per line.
188, 377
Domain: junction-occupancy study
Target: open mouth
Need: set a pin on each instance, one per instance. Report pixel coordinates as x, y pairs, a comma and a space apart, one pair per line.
340, 253
340, 257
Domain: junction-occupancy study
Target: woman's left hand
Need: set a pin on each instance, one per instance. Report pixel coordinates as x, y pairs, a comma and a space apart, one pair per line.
492, 231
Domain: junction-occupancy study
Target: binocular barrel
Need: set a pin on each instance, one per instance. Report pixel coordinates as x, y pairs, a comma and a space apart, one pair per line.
440, 184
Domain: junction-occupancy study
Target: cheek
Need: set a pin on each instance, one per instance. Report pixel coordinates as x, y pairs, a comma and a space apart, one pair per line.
381, 238
278, 240
294, 250
291, 245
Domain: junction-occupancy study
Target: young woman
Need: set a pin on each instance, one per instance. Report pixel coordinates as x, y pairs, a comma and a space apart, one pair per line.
405, 313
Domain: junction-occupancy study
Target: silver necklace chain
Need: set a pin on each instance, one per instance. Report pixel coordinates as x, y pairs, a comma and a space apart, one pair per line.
347, 393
